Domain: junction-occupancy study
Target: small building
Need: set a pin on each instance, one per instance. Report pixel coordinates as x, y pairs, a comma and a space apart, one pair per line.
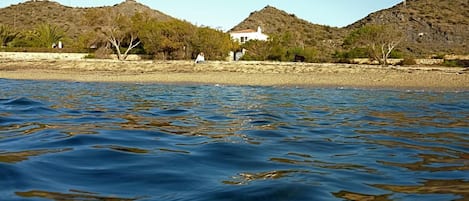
243, 36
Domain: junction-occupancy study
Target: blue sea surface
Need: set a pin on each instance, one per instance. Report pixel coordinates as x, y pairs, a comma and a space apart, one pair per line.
127, 141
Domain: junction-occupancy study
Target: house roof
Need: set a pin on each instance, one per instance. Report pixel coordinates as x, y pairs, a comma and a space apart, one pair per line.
244, 31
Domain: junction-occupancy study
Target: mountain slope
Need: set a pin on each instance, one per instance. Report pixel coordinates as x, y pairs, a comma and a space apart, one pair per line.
29, 14
431, 26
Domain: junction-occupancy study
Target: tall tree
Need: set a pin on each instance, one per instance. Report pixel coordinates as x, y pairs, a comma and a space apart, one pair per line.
214, 43
115, 28
166, 37
379, 40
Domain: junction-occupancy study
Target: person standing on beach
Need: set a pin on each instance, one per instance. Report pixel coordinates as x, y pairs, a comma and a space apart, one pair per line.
200, 58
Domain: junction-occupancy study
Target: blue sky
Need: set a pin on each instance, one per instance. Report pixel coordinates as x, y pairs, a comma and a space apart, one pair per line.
225, 14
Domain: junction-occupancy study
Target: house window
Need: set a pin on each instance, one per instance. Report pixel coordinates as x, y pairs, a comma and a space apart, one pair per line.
244, 39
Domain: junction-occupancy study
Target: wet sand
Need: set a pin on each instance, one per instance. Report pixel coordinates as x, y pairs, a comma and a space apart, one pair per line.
240, 73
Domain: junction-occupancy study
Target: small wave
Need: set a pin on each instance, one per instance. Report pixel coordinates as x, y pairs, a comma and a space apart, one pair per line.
24, 106
20, 102
7, 120
36, 110
172, 112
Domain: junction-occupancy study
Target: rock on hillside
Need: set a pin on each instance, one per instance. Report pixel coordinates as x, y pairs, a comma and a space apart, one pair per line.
432, 26
275, 21
30, 13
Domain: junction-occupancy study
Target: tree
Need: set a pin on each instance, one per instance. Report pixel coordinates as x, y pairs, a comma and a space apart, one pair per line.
47, 34
379, 40
166, 37
44, 36
256, 50
279, 47
7, 34
115, 28
214, 43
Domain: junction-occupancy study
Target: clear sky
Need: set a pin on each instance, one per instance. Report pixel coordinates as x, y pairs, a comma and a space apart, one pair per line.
225, 14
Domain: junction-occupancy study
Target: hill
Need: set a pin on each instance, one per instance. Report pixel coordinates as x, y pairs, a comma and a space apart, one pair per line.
31, 13
431, 26
274, 21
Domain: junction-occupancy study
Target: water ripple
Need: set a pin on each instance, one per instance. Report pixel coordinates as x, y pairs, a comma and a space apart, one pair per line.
112, 141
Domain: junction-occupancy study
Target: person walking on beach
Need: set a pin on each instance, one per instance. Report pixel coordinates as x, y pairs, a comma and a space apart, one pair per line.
200, 58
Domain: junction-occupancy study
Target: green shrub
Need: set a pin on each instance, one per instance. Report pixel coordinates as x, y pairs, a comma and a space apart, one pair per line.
407, 61
452, 63
90, 56
396, 54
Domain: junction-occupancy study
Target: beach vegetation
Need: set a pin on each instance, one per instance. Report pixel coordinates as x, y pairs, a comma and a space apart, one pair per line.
408, 61
7, 35
114, 28
46, 35
356, 52
175, 39
280, 47
256, 50
165, 39
214, 43
103, 52
456, 63
42, 36
379, 40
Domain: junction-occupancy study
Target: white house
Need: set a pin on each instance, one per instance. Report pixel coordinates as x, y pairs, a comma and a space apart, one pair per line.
248, 34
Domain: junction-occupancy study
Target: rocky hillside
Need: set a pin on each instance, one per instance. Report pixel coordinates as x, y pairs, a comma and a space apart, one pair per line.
274, 21
432, 26
30, 13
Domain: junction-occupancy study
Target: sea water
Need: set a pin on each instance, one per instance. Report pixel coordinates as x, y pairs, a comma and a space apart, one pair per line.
130, 141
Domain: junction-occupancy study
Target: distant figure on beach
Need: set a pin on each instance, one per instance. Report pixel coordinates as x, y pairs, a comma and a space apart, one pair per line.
60, 46
54, 45
200, 58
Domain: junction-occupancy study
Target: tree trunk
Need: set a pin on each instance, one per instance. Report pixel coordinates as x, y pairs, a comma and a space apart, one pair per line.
131, 46
116, 44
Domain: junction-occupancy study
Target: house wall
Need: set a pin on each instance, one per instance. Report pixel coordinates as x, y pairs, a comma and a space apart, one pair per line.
250, 36
242, 37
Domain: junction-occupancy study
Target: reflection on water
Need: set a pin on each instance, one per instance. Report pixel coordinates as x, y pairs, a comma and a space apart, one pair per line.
74, 195
456, 187
14, 157
244, 178
111, 141
362, 197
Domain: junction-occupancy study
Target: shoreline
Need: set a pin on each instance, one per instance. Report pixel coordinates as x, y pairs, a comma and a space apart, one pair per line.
240, 73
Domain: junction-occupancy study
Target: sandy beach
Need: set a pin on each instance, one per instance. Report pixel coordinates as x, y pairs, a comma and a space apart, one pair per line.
239, 73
